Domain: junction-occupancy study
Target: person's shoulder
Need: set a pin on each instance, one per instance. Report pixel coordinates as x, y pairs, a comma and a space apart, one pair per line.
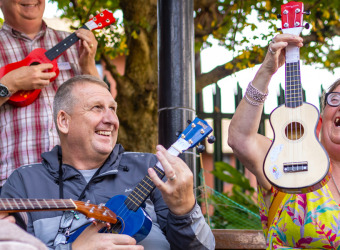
138, 158
29, 167
138, 155
29, 172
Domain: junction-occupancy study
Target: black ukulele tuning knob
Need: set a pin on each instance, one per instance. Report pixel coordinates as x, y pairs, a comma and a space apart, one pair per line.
278, 16
306, 12
211, 139
307, 26
188, 121
200, 148
178, 133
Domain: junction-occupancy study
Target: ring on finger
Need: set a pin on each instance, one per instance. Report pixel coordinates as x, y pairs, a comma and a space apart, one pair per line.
91, 45
271, 51
172, 177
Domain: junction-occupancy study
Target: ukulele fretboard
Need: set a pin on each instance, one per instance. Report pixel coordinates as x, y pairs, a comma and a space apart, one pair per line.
142, 191
61, 47
9, 204
293, 92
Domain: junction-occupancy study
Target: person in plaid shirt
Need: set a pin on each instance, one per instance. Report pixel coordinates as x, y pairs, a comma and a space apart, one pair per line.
26, 132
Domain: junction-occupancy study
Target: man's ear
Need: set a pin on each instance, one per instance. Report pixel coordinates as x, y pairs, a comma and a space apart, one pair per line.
63, 121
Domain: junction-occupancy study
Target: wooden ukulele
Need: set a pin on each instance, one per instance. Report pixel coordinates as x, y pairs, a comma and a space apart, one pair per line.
132, 219
296, 161
23, 98
101, 213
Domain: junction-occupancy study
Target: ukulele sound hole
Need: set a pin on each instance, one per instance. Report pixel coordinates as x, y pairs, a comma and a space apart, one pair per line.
294, 131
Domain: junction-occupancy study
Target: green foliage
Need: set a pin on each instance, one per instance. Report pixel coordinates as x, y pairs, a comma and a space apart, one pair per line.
240, 26
236, 209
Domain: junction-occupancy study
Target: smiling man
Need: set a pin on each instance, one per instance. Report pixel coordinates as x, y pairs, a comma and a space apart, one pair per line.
28, 131
89, 165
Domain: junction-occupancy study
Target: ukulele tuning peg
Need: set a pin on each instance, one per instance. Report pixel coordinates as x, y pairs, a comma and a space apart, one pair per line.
87, 203
188, 121
307, 12
91, 16
279, 29
97, 12
200, 148
211, 139
178, 133
307, 25
112, 28
101, 205
279, 16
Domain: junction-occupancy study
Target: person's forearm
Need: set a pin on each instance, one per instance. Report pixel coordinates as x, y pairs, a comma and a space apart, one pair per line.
248, 114
189, 231
90, 70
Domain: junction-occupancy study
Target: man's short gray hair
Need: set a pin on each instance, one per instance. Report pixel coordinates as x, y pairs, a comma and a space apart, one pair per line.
65, 99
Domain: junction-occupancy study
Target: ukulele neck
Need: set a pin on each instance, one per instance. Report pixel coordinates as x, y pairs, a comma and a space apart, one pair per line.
61, 47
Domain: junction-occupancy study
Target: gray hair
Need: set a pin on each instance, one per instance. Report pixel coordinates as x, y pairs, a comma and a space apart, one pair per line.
330, 89
65, 99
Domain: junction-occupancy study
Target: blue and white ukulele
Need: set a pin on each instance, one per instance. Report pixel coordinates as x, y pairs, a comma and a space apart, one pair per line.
132, 219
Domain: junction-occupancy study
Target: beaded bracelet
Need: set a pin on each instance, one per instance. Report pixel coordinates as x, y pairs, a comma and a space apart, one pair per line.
254, 103
255, 94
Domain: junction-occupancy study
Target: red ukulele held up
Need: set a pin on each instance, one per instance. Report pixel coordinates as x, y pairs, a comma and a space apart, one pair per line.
23, 98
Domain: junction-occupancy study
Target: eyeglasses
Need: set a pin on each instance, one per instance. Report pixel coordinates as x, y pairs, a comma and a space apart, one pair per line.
64, 228
332, 99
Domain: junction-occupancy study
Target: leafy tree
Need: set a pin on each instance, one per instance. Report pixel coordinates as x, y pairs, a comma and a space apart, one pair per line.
225, 20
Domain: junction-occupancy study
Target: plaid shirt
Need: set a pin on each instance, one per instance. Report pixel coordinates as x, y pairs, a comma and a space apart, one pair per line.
26, 132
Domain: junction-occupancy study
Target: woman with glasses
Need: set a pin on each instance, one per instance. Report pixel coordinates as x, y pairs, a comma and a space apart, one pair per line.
304, 219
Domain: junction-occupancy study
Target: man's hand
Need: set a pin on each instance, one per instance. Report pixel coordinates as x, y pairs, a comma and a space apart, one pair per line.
28, 77
90, 239
177, 191
88, 51
6, 216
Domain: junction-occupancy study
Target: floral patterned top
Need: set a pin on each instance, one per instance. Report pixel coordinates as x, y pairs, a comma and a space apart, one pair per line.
309, 220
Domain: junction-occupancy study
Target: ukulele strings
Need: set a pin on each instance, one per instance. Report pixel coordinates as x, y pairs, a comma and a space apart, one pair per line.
300, 100
124, 211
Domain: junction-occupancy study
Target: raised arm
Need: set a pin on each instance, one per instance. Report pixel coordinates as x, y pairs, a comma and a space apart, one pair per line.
249, 146
88, 51
186, 227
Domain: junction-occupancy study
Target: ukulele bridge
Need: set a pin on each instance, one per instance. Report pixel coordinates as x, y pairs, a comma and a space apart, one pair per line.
293, 167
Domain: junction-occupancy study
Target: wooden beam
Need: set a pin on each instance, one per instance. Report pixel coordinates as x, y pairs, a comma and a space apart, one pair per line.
239, 239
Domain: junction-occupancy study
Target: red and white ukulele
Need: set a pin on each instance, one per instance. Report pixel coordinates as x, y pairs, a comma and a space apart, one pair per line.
26, 97
296, 161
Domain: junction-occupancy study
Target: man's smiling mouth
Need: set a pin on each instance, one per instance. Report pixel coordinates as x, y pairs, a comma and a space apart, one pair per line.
106, 133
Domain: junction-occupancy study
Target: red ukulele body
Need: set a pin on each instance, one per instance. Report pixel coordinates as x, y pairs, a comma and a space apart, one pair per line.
23, 98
